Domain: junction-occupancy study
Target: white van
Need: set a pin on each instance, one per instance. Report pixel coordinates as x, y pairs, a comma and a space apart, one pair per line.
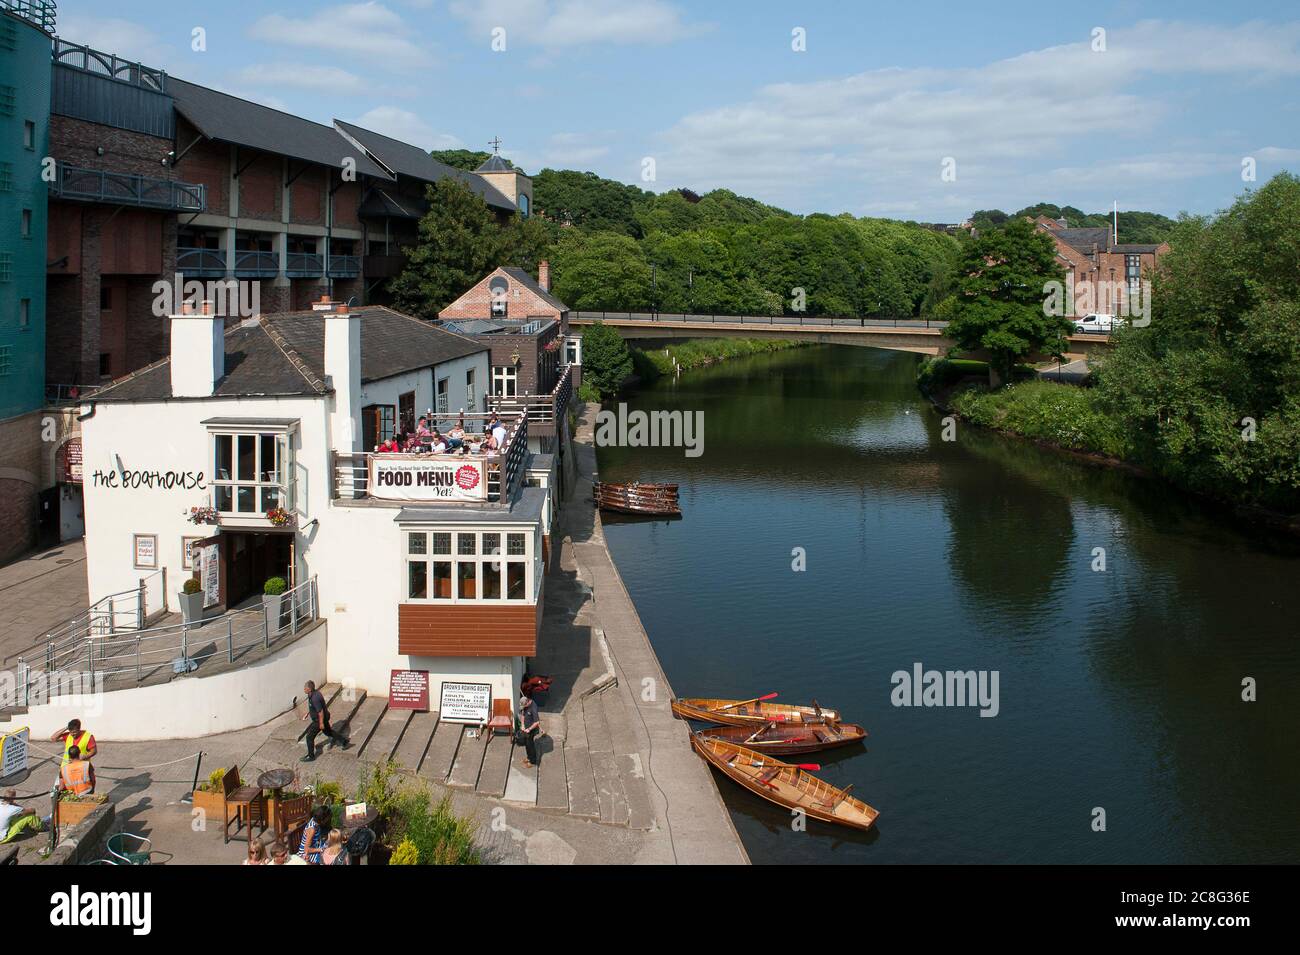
1098, 323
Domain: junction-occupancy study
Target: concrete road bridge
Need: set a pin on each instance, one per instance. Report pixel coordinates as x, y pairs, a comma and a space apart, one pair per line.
921, 336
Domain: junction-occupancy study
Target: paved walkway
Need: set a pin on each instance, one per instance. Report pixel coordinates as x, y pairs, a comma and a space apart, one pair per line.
38, 592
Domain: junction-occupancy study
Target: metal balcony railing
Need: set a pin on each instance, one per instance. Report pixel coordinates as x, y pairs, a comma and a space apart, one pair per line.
344, 266
539, 409
40, 12
252, 265
93, 61
207, 263
303, 265
98, 185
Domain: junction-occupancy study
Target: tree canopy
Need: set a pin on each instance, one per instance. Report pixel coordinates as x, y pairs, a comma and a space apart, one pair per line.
999, 306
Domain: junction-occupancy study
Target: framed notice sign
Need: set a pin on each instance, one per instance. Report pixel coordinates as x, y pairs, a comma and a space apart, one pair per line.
466, 702
146, 551
13, 752
427, 477
408, 690
187, 555
212, 570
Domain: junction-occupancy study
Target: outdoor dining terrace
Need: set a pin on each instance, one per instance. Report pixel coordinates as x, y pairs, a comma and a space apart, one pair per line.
365, 477
542, 411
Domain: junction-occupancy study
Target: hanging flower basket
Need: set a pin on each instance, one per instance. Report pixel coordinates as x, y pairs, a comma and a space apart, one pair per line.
204, 515
279, 517
552, 346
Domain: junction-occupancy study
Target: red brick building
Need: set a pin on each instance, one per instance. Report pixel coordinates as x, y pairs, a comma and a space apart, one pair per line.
1105, 276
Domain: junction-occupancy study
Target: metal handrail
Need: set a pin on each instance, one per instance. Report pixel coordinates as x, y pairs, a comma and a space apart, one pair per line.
153, 192
100, 658
40, 12
304, 264
543, 408
196, 261
690, 318
344, 265
84, 58
257, 263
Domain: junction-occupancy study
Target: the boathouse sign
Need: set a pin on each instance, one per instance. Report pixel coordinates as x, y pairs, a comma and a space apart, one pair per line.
403, 477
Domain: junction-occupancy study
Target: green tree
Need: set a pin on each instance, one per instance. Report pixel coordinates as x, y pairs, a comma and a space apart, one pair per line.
1000, 300
460, 240
601, 270
606, 361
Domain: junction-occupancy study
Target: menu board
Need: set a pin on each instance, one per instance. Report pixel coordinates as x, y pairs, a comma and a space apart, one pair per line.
408, 690
207, 556
146, 551
13, 752
427, 477
466, 702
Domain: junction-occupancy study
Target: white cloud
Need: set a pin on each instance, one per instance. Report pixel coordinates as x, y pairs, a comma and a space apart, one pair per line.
303, 76
368, 31
557, 24
408, 127
881, 136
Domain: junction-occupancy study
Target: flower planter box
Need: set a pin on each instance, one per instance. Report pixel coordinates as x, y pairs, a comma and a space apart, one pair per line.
71, 812
191, 607
210, 803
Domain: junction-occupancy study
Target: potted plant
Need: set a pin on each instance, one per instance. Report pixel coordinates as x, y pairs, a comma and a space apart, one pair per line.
208, 796
273, 602
73, 809
191, 600
204, 515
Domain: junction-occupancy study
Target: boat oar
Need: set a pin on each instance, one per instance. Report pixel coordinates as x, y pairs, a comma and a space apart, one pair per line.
766, 727
757, 699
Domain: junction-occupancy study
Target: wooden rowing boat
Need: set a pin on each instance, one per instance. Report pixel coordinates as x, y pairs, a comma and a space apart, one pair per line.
785, 785
749, 713
785, 739
637, 498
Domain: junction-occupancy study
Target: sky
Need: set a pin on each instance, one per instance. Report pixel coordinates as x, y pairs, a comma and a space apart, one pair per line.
914, 110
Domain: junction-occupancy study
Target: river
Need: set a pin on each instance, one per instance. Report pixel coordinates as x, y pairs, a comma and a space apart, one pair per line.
1119, 690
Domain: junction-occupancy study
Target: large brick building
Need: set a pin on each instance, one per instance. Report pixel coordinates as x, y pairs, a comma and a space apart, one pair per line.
1104, 275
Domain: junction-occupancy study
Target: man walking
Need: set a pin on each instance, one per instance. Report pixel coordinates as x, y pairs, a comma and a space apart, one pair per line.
319, 715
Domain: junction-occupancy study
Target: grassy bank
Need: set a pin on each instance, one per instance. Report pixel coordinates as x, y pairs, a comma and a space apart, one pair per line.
1064, 415
651, 363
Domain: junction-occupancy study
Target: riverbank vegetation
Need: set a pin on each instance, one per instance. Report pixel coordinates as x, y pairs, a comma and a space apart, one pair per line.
655, 361
1208, 395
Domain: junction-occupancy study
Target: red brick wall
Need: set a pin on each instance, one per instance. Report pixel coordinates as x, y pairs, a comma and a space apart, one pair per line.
307, 197
78, 142
346, 203
209, 164
477, 303
260, 187
63, 238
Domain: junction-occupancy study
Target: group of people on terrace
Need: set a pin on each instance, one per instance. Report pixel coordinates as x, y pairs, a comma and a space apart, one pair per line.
427, 439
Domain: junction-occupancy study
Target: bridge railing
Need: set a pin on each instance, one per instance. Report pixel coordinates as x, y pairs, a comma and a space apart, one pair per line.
816, 321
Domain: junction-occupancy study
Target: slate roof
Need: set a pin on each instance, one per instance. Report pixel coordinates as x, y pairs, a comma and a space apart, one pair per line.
1084, 239
407, 160
521, 276
284, 355
495, 163
234, 120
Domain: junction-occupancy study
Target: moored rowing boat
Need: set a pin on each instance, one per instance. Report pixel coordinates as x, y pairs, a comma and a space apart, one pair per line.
784, 784
781, 739
749, 712
637, 498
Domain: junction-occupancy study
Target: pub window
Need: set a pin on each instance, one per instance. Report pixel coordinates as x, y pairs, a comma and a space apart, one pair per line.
250, 473
376, 425
573, 351
505, 381
406, 412
475, 566
443, 395
469, 390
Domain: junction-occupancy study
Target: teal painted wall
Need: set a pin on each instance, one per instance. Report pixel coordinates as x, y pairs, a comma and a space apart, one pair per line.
24, 97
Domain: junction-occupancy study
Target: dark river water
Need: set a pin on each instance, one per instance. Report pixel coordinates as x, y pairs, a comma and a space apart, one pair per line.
1119, 691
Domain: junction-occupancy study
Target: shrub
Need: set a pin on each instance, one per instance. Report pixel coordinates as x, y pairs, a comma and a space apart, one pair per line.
215, 779
378, 788
405, 854
191, 586
328, 791
1064, 415
275, 586
606, 361
439, 835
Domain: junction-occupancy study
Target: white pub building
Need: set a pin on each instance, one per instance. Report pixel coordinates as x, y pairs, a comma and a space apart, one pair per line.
420, 561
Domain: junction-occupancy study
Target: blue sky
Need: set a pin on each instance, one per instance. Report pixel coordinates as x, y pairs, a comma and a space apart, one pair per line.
1019, 96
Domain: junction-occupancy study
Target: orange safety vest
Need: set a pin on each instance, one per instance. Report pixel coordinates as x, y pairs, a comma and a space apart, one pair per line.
70, 741
76, 777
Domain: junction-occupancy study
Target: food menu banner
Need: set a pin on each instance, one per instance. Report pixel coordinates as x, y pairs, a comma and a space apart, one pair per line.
444, 477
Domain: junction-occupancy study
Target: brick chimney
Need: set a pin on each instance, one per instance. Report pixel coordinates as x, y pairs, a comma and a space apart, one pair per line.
544, 275
198, 351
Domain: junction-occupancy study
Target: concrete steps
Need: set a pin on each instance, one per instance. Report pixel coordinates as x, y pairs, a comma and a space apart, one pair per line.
294, 730
468, 762
386, 734
442, 752
360, 724
415, 741
496, 765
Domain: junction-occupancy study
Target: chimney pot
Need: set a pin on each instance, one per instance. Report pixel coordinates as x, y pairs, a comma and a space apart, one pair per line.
544, 275
207, 308
342, 309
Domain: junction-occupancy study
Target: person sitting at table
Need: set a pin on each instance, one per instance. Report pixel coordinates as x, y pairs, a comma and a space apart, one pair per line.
456, 436
390, 446
436, 443
333, 853
280, 855
488, 445
499, 433
313, 836
257, 853
422, 429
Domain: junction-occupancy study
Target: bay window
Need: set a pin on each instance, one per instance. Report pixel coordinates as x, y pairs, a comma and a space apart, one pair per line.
470, 566
251, 471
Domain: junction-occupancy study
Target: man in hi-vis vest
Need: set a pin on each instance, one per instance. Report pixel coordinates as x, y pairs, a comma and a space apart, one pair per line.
74, 735
77, 776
